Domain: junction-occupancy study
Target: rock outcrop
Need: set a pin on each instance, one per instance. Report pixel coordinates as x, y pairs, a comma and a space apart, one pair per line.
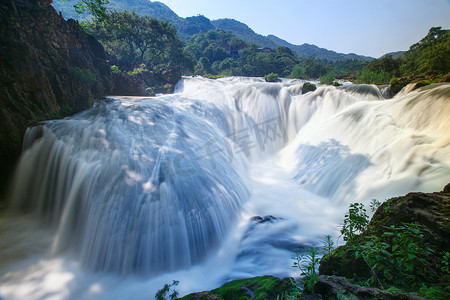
49, 68
430, 210
334, 287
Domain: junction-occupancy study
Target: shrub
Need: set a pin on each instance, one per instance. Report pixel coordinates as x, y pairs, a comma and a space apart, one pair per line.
399, 257
115, 69
168, 292
272, 77
355, 221
139, 70
307, 264
327, 79
298, 72
371, 77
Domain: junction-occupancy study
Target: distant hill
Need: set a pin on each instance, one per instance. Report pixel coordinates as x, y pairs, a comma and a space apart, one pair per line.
192, 25
246, 33
395, 54
307, 50
241, 30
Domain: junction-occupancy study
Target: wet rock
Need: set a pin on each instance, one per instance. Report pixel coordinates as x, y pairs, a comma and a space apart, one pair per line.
334, 287
430, 210
268, 218
308, 87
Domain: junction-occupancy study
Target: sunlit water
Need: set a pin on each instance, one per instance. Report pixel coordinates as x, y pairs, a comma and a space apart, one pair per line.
118, 200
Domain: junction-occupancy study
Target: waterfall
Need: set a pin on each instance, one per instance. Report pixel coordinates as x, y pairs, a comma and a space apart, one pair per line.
164, 187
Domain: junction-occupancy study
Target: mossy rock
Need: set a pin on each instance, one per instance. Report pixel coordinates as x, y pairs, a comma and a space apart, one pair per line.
342, 262
428, 210
272, 77
259, 288
308, 87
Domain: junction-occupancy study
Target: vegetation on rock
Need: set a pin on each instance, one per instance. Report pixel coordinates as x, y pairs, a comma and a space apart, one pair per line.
265, 287
404, 247
426, 60
272, 77
308, 87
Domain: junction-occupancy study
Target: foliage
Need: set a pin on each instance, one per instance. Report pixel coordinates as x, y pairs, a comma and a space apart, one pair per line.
355, 221
315, 68
428, 56
139, 70
97, 8
307, 264
399, 257
272, 77
168, 292
132, 40
445, 268
258, 288
374, 204
115, 69
242, 59
372, 77
328, 244
298, 72
327, 78
385, 64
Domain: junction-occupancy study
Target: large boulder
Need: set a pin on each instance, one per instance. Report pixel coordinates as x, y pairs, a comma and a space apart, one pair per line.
431, 211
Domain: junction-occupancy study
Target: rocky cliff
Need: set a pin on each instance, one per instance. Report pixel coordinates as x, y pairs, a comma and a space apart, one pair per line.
49, 68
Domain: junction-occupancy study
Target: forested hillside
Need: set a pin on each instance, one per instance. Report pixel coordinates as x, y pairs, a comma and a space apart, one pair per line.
189, 26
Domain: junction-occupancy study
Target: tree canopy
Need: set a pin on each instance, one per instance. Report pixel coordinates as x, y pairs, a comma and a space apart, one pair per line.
97, 8
132, 40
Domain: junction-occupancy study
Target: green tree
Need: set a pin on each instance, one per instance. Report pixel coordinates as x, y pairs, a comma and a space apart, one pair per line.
430, 54
97, 8
298, 72
134, 40
314, 67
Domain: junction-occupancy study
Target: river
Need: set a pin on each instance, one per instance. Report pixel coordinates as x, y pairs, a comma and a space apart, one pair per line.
219, 181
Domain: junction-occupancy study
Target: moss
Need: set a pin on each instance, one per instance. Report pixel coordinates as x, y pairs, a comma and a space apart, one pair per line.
308, 87
209, 76
272, 77
259, 288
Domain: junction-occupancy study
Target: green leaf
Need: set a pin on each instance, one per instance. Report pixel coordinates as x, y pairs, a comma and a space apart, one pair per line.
387, 275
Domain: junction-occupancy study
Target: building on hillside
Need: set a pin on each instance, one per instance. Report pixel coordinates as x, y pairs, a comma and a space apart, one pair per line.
234, 51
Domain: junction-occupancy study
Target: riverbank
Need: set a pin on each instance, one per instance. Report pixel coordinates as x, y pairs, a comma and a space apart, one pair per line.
343, 274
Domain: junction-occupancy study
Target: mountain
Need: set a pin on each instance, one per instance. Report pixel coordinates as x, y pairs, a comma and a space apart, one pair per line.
192, 25
395, 54
241, 30
307, 50
246, 33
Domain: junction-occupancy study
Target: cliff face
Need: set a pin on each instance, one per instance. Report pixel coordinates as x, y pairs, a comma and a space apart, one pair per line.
49, 68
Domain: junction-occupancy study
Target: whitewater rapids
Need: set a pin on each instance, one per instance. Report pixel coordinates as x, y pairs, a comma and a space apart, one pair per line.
133, 193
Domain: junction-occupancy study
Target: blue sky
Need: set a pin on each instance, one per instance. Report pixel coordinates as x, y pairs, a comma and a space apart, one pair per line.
366, 27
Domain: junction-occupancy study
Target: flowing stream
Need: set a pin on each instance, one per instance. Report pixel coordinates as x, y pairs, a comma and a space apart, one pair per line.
219, 181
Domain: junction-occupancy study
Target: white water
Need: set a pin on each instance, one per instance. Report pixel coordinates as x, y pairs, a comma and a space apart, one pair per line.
137, 192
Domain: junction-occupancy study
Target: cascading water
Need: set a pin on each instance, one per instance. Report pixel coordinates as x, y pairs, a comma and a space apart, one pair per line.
136, 192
